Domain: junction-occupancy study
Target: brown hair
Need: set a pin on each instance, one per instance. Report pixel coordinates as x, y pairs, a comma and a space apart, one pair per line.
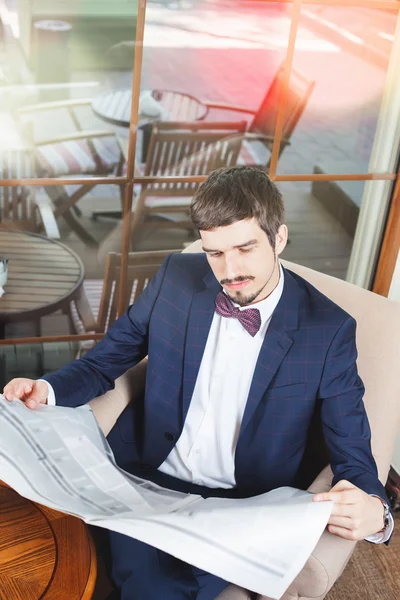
236, 193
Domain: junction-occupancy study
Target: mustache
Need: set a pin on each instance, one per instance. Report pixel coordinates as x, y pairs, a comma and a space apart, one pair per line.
238, 279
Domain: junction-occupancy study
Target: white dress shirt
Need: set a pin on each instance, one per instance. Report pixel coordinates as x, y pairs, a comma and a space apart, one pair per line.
205, 451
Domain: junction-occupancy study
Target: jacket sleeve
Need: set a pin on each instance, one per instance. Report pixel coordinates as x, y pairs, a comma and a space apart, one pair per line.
124, 345
344, 419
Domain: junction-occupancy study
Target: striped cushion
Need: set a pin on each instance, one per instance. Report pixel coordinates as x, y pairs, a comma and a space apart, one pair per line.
15, 164
72, 157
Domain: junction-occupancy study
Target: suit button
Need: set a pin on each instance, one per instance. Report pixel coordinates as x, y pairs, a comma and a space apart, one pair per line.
169, 436
146, 467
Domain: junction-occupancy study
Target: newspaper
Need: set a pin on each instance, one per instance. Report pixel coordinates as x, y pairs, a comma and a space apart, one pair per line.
59, 457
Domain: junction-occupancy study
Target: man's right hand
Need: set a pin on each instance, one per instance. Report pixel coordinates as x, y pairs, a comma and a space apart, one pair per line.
29, 391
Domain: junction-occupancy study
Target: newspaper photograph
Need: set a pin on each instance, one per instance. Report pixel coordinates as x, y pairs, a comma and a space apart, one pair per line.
59, 457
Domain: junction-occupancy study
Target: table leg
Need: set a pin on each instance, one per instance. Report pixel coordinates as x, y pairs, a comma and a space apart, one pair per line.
66, 309
39, 355
79, 229
38, 330
64, 207
146, 131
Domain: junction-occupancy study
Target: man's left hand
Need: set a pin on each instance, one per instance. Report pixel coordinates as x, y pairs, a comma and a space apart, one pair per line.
355, 514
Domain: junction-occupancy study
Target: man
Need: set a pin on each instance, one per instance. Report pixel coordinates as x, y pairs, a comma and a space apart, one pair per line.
241, 355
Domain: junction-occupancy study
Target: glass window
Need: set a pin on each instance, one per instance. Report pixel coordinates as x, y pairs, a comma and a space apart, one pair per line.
212, 85
322, 218
334, 98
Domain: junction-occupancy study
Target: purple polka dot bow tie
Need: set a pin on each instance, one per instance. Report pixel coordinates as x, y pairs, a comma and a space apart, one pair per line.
249, 318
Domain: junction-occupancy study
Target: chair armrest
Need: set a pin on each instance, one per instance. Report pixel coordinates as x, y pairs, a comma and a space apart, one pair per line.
327, 561
85, 312
77, 135
323, 568
233, 592
48, 219
124, 147
323, 481
232, 107
128, 388
53, 105
264, 138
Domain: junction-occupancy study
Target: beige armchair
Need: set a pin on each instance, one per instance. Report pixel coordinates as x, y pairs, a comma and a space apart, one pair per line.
378, 342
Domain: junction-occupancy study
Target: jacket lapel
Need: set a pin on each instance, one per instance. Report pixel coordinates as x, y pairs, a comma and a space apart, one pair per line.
199, 323
276, 345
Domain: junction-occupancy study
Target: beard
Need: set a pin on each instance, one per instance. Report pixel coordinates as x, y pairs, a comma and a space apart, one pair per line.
242, 299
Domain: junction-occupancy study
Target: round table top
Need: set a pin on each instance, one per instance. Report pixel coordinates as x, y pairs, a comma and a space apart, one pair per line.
44, 554
115, 106
43, 275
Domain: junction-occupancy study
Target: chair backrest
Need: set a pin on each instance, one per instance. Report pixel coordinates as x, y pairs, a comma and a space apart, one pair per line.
142, 266
298, 93
16, 203
378, 344
185, 149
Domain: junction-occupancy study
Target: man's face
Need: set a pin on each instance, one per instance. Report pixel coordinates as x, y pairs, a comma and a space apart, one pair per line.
243, 260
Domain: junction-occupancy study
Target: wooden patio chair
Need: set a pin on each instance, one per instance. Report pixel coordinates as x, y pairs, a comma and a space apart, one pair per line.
262, 126
19, 206
80, 153
182, 150
179, 106
97, 305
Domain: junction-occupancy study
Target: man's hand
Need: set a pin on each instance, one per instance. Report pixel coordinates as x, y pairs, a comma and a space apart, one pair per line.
355, 514
29, 391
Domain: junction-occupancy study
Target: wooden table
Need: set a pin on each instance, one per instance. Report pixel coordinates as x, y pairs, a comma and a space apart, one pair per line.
44, 554
43, 277
115, 107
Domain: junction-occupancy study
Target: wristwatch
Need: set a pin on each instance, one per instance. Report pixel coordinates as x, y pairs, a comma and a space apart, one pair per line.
386, 513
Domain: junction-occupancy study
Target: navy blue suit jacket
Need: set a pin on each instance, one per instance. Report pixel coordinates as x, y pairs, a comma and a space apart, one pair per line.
307, 363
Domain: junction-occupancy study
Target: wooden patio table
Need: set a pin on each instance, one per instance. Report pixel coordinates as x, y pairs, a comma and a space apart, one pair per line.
44, 554
115, 106
43, 277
